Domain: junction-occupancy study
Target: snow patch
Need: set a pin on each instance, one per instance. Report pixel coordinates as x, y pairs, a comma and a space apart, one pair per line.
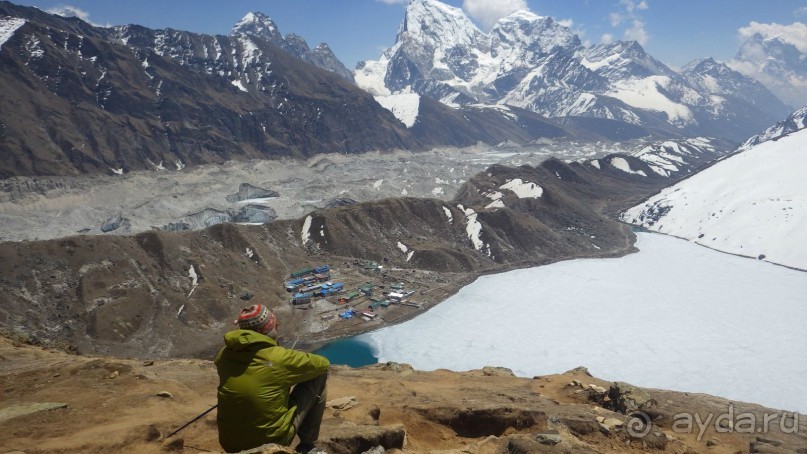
449, 216
237, 83
523, 189
9, 25
305, 236
623, 165
474, 228
194, 281
404, 106
403, 247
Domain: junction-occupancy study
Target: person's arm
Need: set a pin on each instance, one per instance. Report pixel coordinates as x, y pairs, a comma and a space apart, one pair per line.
302, 366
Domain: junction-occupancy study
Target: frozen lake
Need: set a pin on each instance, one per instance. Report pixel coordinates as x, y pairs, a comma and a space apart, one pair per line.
674, 316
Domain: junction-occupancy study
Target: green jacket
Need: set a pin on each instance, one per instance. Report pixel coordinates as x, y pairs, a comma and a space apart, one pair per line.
255, 380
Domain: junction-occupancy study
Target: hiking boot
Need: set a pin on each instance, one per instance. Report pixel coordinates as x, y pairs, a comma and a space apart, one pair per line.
304, 447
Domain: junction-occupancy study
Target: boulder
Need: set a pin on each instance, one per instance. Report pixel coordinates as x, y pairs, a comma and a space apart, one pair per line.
340, 202
579, 370
342, 403
625, 398
247, 191
581, 426
114, 223
349, 438
491, 371
27, 409
254, 214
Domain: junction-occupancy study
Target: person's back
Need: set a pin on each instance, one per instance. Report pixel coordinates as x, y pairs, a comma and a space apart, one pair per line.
256, 404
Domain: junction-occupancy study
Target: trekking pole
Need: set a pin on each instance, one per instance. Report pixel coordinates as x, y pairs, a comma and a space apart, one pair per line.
192, 421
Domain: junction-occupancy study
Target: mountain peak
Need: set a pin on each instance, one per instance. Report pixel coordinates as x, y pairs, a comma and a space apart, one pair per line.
257, 24
777, 63
523, 15
438, 21
698, 65
534, 33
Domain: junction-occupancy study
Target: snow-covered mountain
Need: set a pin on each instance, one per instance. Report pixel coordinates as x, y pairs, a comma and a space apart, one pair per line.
533, 62
238, 57
793, 123
753, 203
669, 158
126, 98
779, 65
261, 26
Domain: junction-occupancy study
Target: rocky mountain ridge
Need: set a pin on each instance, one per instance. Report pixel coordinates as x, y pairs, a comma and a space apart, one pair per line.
794, 122
83, 99
532, 62
170, 293
262, 27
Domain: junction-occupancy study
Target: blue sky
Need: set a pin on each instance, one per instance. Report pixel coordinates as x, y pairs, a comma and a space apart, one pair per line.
673, 31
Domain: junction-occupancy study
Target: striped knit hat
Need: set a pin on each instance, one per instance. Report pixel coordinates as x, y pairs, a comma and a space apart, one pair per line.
257, 318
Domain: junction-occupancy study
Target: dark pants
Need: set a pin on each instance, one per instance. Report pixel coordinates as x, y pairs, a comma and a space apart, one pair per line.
309, 397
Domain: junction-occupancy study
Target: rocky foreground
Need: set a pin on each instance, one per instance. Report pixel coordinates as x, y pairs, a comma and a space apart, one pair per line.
56, 402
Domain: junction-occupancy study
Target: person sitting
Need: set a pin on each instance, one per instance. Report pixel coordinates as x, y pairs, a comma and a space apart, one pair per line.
256, 403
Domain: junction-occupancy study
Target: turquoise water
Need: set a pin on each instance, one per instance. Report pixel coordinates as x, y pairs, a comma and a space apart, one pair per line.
349, 352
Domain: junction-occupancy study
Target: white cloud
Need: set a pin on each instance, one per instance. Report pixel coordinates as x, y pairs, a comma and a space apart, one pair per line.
569, 23
607, 38
71, 11
637, 33
632, 5
795, 33
487, 12
801, 12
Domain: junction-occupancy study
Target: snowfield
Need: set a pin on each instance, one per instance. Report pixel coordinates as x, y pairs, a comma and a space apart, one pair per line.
674, 316
648, 94
753, 204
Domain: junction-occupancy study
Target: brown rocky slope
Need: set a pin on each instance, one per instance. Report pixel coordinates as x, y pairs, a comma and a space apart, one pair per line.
53, 402
173, 293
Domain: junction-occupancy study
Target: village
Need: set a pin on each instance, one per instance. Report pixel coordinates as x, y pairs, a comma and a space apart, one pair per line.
369, 293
